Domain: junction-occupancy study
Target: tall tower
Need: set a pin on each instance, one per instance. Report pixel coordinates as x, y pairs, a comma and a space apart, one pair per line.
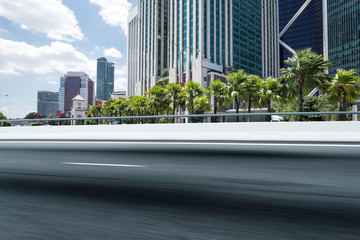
73, 84
47, 103
270, 38
153, 44
199, 40
301, 26
344, 34
133, 52
104, 79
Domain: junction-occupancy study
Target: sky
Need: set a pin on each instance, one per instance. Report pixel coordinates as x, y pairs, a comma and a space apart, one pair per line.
41, 40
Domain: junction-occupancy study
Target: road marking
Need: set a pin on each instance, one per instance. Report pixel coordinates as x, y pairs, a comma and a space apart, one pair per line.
192, 143
104, 164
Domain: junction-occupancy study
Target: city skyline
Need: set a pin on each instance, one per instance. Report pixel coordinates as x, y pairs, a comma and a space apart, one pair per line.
37, 47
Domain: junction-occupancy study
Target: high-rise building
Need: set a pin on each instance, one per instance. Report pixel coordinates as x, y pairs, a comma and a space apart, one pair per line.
344, 34
270, 38
200, 39
301, 26
132, 51
47, 103
73, 84
104, 79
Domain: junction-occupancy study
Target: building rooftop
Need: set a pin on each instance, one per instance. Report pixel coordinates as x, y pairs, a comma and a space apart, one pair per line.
78, 97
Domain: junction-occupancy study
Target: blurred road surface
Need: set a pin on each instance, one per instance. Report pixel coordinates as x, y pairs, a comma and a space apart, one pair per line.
296, 191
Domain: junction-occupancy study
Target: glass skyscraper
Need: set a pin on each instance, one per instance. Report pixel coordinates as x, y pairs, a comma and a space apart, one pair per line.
305, 32
199, 40
104, 79
47, 103
344, 34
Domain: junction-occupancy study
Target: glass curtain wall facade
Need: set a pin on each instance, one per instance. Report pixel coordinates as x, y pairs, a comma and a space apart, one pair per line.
153, 47
193, 38
199, 40
104, 79
344, 34
47, 103
305, 32
247, 36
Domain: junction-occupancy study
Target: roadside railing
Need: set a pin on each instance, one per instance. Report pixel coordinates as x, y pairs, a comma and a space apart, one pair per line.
155, 118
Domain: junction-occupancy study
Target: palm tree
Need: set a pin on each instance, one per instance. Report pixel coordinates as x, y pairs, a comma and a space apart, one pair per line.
120, 106
96, 111
250, 90
234, 87
306, 69
343, 88
201, 105
217, 90
158, 99
174, 91
270, 89
193, 90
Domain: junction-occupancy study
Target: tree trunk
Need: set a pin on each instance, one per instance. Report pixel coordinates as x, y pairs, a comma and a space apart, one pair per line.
157, 114
300, 99
174, 104
192, 103
249, 107
268, 109
237, 108
215, 110
339, 105
344, 107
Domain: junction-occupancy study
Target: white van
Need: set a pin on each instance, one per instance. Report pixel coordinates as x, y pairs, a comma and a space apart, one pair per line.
276, 118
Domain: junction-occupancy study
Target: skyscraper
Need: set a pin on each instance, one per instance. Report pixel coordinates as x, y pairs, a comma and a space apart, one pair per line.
47, 103
104, 79
306, 31
270, 38
344, 34
132, 51
73, 84
199, 40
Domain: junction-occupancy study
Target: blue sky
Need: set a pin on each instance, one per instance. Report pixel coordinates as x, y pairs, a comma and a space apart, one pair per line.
40, 40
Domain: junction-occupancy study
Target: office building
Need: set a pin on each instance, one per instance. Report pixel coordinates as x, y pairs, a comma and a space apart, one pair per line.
344, 34
118, 94
301, 26
270, 38
73, 84
47, 103
104, 79
199, 40
132, 51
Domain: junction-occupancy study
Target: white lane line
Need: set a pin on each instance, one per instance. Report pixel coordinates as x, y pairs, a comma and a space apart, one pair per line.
215, 143
103, 164
196, 143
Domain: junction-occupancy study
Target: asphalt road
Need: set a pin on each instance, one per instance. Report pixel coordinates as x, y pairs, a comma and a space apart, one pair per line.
173, 194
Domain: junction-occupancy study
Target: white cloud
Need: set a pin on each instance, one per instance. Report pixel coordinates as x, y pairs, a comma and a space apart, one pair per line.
120, 83
112, 52
114, 12
54, 82
51, 17
16, 57
3, 30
